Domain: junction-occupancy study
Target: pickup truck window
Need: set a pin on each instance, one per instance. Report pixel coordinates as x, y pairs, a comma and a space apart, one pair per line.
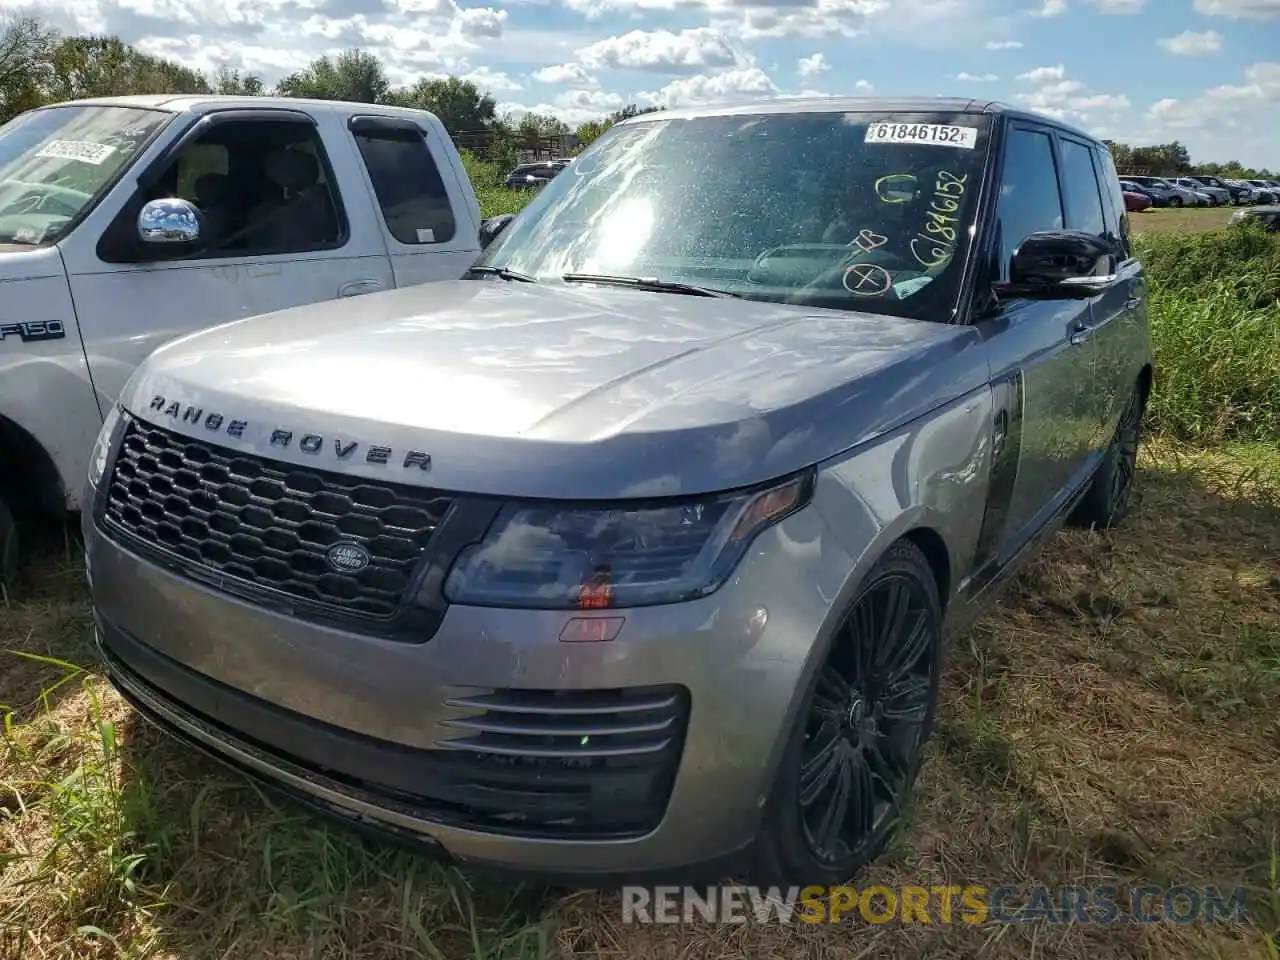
1029, 197
845, 210
56, 163
408, 185
263, 187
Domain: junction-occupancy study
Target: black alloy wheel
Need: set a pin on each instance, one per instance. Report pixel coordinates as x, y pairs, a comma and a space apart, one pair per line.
855, 751
1106, 503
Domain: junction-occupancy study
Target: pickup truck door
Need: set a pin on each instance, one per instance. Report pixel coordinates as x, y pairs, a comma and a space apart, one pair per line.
287, 221
416, 183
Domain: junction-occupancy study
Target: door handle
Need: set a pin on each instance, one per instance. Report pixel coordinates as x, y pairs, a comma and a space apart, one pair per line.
1133, 303
357, 287
1080, 334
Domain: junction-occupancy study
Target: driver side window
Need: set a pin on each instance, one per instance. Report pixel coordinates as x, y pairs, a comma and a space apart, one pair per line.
1030, 200
262, 187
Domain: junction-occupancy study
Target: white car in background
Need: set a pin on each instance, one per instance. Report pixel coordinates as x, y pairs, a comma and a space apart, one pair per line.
1219, 196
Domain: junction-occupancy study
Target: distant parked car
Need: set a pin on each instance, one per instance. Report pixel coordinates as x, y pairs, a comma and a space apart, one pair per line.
1135, 202
1266, 192
1218, 192
1269, 215
1156, 198
531, 175
1174, 195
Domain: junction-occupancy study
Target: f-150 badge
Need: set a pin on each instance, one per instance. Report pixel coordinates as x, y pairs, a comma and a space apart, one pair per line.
33, 331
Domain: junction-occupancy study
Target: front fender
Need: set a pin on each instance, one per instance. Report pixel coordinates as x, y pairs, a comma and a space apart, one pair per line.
51, 398
929, 478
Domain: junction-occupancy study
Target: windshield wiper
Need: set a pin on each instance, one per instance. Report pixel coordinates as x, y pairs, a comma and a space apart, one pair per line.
503, 273
647, 283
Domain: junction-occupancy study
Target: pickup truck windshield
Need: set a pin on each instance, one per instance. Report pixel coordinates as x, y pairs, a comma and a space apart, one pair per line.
55, 163
853, 211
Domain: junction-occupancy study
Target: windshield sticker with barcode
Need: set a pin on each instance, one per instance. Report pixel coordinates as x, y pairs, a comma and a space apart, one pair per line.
81, 150
937, 134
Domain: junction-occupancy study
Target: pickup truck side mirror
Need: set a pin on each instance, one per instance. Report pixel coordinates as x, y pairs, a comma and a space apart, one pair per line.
492, 226
1060, 263
169, 220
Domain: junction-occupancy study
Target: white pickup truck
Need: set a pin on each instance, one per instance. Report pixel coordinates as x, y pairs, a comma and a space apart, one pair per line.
126, 222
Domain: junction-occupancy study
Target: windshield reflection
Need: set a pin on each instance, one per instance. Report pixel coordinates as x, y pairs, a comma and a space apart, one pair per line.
55, 162
844, 210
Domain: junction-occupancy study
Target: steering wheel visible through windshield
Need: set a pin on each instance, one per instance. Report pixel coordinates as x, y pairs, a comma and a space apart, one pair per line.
56, 162
844, 210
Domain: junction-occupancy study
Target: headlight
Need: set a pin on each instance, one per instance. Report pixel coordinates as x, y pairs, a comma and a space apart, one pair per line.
585, 557
102, 446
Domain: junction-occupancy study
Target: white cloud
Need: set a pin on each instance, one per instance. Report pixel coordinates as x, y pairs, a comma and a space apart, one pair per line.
1044, 74
1191, 44
568, 74
812, 66
1003, 45
1122, 7
494, 81
1226, 122
980, 78
1240, 9
1056, 96
662, 51
749, 83
1053, 8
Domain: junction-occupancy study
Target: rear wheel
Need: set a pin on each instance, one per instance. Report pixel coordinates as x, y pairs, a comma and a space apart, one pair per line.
851, 762
1175, 201
1106, 502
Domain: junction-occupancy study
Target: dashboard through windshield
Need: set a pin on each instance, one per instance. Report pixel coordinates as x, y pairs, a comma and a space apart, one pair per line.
56, 162
831, 209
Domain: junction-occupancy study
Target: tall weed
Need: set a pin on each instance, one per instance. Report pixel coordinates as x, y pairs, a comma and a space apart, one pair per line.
1215, 319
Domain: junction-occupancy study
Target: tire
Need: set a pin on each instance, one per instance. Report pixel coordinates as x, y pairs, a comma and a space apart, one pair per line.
843, 733
1106, 502
1175, 201
8, 547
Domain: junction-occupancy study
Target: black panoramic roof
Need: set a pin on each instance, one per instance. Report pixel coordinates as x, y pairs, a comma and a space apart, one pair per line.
785, 105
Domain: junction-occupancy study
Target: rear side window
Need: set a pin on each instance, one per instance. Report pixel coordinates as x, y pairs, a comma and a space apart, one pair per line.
1029, 199
410, 191
1080, 183
1117, 218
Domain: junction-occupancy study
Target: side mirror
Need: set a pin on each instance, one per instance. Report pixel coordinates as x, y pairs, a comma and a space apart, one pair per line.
1057, 263
169, 220
492, 226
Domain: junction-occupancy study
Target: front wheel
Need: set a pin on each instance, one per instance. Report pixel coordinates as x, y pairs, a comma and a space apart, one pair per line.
1106, 502
1175, 201
8, 547
850, 764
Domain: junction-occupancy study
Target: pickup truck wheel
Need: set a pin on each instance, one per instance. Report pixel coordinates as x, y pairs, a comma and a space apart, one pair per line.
851, 762
8, 547
1106, 503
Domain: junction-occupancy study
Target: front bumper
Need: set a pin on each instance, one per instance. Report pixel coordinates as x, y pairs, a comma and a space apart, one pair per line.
377, 731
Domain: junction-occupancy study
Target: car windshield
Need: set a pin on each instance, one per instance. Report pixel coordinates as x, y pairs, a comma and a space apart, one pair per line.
55, 163
829, 209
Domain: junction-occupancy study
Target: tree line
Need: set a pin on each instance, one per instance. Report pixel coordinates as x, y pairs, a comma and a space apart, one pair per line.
39, 66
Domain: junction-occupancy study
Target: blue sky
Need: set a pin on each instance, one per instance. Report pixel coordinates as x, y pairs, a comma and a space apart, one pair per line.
1206, 72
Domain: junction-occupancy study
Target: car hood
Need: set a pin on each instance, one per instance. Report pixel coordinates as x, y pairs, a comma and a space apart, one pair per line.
555, 391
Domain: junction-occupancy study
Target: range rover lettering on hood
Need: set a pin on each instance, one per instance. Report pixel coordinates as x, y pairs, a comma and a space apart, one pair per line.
344, 448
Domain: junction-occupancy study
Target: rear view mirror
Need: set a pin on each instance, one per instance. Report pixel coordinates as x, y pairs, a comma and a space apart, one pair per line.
1061, 263
492, 226
169, 220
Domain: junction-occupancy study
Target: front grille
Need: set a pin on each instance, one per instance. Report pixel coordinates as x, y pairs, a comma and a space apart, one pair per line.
267, 524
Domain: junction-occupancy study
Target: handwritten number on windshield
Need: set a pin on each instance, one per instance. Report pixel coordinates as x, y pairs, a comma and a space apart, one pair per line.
935, 245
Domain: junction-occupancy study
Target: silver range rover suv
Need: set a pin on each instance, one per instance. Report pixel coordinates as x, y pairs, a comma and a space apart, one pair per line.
634, 550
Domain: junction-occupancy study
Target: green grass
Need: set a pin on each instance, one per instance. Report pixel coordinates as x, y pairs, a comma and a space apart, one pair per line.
1113, 720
